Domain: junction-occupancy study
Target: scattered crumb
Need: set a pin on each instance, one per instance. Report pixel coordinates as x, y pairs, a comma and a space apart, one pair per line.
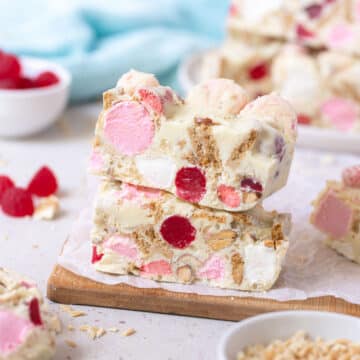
300, 346
70, 343
71, 312
70, 327
47, 208
35, 246
55, 324
113, 329
93, 331
3, 162
129, 332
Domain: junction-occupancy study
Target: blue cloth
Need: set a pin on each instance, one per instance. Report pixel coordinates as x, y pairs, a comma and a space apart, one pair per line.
99, 40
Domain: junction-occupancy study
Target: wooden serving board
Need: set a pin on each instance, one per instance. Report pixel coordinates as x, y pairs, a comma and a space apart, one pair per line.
68, 288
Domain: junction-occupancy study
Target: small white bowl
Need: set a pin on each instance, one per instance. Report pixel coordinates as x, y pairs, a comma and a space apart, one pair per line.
263, 329
25, 112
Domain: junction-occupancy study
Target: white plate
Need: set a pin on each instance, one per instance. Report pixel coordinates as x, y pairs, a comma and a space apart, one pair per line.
263, 329
309, 136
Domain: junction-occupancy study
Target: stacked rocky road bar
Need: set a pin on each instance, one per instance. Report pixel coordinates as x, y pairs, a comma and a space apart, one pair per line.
183, 181
307, 51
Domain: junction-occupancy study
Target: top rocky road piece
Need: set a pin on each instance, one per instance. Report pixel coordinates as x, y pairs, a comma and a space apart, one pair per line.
214, 148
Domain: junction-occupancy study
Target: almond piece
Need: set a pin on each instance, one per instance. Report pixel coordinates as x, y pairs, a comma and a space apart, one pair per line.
237, 268
221, 239
249, 197
185, 274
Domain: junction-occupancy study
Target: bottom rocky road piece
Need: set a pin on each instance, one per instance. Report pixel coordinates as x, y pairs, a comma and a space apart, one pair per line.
152, 234
27, 329
337, 214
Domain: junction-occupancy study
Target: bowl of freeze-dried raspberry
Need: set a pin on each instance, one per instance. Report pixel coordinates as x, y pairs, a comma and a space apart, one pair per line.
33, 94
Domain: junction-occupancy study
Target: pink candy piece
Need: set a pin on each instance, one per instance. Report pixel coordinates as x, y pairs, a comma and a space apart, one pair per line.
151, 99
340, 35
351, 176
123, 245
333, 216
341, 112
134, 193
13, 331
159, 267
213, 269
228, 195
129, 127
96, 161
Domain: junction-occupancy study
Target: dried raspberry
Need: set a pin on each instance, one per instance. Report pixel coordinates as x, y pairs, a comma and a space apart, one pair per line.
95, 256
46, 78
303, 33
279, 147
9, 66
313, 11
17, 202
351, 176
5, 183
251, 185
190, 184
152, 99
228, 195
43, 183
178, 231
34, 312
258, 72
303, 119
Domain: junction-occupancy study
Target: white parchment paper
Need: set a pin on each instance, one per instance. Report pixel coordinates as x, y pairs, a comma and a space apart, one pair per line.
311, 268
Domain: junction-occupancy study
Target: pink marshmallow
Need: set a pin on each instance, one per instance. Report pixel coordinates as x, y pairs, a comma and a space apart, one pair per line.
123, 245
333, 216
159, 267
342, 113
13, 331
340, 35
129, 127
96, 161
134, 193
213, 269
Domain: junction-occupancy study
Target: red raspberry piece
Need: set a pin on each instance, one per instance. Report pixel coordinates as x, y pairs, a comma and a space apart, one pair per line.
95, 256
17, 202
251, 185
178, 231
190, 184
228, 195
5, 183
258, 71
46, 78
9, 83
351, 176
303, 119
9, 66
25, 83
152, 99
303, 33
43, 183
34, 312
313, 11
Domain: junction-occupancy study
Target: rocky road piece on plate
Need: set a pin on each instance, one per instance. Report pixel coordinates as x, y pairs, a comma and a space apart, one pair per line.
333, 24
27, 329
337, 213
214, 148
152, 234
322, 86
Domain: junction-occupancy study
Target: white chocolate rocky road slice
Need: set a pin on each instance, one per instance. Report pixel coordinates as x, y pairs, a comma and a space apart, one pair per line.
337, 214
214, 148
322, 86
27, 329
315, 23
150, 233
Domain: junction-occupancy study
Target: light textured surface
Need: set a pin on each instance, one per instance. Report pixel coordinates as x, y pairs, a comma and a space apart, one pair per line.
65, 148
